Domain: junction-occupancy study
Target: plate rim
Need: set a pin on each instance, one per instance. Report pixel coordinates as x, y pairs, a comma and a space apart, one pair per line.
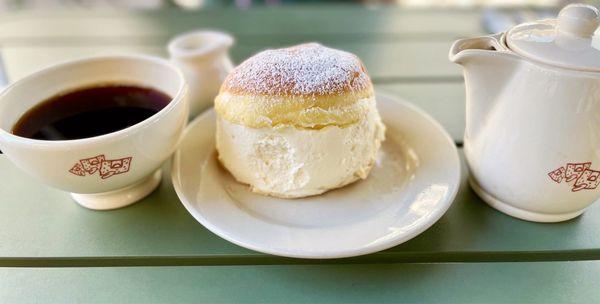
434, 217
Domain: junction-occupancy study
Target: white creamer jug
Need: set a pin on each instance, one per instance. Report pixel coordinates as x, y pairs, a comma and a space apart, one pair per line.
204, 60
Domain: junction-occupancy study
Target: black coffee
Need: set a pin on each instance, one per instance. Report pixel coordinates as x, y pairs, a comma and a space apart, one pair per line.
90, 111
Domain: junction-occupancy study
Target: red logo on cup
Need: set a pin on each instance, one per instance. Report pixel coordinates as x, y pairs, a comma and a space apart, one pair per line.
105, 167
584, 177
92, 164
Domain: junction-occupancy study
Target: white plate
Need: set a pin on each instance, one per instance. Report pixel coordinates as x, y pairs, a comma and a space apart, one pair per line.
412, 185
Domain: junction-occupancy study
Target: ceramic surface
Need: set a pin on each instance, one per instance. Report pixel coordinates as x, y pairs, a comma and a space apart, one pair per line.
103, 164
204, 60
567, 41
415, 179
532, 131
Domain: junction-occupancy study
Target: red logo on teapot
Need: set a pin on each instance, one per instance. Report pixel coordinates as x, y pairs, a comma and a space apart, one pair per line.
584, 178
105, 167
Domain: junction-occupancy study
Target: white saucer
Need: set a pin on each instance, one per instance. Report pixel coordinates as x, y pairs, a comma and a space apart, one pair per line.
412, 185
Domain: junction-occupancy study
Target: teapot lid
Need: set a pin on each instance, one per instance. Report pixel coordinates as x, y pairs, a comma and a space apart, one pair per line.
567, 41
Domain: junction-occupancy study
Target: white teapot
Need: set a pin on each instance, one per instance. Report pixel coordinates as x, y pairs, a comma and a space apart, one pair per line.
532, 138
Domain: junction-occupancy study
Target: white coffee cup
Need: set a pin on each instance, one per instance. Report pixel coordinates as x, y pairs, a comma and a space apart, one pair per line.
133, 156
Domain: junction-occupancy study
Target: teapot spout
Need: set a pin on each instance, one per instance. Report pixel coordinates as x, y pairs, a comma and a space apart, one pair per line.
464, 49
488, 67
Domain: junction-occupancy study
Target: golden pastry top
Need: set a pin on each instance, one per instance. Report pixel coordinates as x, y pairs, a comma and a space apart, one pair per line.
307, 86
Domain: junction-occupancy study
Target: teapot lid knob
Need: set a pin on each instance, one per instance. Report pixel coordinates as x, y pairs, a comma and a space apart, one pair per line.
568, 42
578, 20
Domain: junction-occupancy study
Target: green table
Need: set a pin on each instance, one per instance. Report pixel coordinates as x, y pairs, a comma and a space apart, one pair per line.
52, 250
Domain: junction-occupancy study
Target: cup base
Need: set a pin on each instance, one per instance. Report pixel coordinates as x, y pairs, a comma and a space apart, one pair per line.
121, 197
521, 213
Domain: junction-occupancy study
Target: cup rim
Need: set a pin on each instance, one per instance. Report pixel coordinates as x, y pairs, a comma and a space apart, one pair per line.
175, 100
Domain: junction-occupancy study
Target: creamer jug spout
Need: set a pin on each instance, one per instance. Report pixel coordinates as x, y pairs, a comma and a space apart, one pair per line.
488, 66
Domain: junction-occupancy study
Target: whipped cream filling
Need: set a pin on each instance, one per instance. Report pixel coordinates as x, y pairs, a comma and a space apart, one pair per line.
286, 161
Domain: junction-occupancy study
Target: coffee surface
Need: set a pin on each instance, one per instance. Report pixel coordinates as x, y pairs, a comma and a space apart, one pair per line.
90, 111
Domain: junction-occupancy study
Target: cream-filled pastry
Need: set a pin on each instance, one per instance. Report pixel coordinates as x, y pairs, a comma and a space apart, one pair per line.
298, 121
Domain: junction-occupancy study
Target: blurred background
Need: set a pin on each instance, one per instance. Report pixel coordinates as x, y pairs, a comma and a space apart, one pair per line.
497, 15
6, 5
404, 43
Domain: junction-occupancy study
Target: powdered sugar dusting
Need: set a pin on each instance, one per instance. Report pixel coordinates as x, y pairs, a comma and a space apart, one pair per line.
306, 69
